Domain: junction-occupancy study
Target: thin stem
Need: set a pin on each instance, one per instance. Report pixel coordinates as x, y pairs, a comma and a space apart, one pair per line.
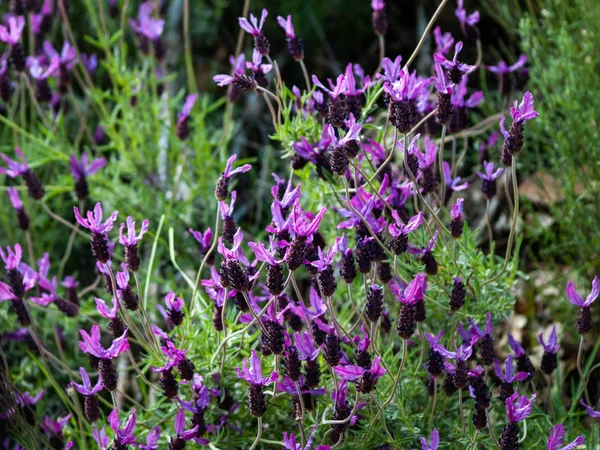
301, 400
306, 77
272, 110
189, 67
279, 105
488, 222
254, 315
347, 419
435, 386
381, 39
462, 414
583, 380
208, 253
258, 434
441, 168
426, 32
402, 364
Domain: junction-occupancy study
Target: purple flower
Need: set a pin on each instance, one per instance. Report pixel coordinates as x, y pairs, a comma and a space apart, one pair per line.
590, 410
11, 258
12, 34
214, 288
262, 254
123, 436
518, 408
336, 90
179, 426
55, 426
101, 438
91, 344
414, 292
392, 70
325, 260
204, 239
94, 220
39, 70
399, 228
552, 345
190, 100
407, 87
490, 175
352, 134
228, 172
434, 341
522, 112
253, 374
457, 210
441, 82
131, 238
67, 57
434, 441
460, 92
173, 303
304, 224
443, 42
253, 27
86, 388
488, 327
577, 299
351, 372
26, 398
557, 433
508, 376
104, 310
503, 68
455, 68
462, 353
151, 439
89, 62
81, 168
316, 302
453, 183
289, 441
429, 157
288, 27
377, 5
463, 18
147, 25
15, 168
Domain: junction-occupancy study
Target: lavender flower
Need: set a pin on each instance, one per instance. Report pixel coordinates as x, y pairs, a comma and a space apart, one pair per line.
92, 346
151, 439
584, 317
294, 43
426, 174
591, 412
174, 308
409, 297
444, 96
54, 429
514, 137
435, 362
99, 230
508, 377
336, 107
15, 169
254, 27
183, 118
22, 216
455, 69
149, 29
557, 433
434, 441
367, 377
503, 70
12, 36
485, 340
222, 188
253, 375
81, 169
403, 94
517, 410
468, 22
40, 72
130, 241
379, 17
65, 61
400, 231
123, 436
91, 408
443, 42
488, 184
101, 438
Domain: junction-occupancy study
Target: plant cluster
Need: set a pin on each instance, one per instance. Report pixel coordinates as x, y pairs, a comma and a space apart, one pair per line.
365, 315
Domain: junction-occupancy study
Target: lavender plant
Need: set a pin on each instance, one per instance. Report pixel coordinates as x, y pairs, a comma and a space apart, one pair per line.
314, 331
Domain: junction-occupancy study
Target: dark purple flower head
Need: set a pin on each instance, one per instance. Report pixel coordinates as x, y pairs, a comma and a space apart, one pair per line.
123, 436
336, 89
15, 168
557, 433
254, 27
86, 388
131, 238
518, 408
464, 19
204, 239
12, 34
173, 303
490, 174
12, 258
503, 68
443, 41
516, 346
453, 65
94, 220
414, 292
190, 100
351, 372
552, 345
457, 209
104, 310
509, 375
229, 172
253, 373
434, 441
151, 439
66, 58
91, 344
577, 299
399, 228
488, 327
55, 426
147, 25
287, 26
81, 168
590, 410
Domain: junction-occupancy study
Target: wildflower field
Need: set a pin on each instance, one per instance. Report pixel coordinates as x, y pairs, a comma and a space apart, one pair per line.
299, 225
